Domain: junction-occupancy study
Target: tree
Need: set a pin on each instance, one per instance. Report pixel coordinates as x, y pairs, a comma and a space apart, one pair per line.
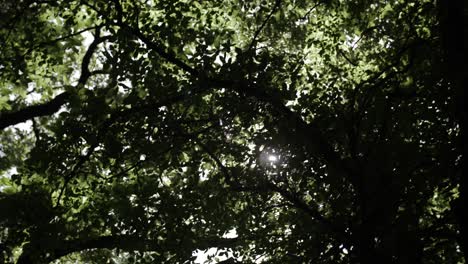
315, 132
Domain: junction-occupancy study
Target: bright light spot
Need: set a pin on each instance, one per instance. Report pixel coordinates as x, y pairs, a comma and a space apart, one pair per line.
352, 41
202, 256
132, 198
230, 234
212, 255
269, 157
126, 83
11, 172
87, 38
272, 158
24, 126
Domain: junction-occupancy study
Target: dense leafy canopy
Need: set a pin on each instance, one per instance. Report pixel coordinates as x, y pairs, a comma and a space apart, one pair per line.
285, 131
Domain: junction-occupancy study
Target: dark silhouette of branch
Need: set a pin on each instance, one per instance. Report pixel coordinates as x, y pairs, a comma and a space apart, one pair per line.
79, 164
11, 118
346, 57
293, 199
295, 128
123, 242
42, 44
162, 51
254, 39
51, 107
292, 126
310, 10
85, 73
119, 9
224, 170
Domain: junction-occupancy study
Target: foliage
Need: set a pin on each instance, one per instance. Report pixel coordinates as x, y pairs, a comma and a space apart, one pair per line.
316, 132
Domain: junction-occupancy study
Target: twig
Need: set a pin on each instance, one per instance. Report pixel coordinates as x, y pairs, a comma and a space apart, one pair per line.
75, 169
218, 162
310, 11
162, 51
254, 39
85, 74
59, 39
346, 57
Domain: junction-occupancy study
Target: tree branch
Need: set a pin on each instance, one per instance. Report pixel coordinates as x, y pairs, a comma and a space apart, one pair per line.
295, 127
162, 51
295, 201
254, 39
50, 42
124, 242
45, 109
310, 10
51, 107
299, 132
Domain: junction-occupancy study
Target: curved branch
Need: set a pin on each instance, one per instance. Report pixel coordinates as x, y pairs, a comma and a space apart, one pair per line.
45, 109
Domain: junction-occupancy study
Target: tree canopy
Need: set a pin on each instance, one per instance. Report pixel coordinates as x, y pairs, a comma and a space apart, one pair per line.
285, 131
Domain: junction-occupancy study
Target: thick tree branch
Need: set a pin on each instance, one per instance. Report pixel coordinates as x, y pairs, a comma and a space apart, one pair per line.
45, 109
124, 242
51, 107
85, 73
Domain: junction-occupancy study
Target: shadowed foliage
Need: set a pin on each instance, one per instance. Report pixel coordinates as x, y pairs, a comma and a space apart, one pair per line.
285, 131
